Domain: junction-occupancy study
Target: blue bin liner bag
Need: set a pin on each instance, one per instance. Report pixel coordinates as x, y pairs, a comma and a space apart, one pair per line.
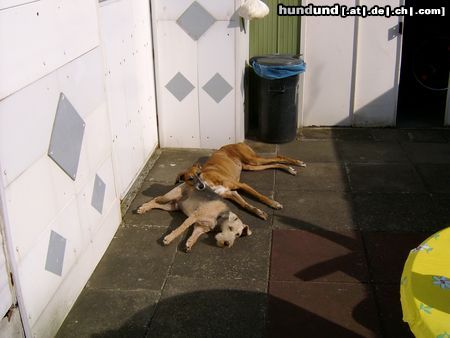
272, 72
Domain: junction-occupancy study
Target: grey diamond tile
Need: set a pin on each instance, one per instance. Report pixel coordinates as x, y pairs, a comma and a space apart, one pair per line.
179, 86
195, 20
67, 137
217, 88
98, 195
55, 253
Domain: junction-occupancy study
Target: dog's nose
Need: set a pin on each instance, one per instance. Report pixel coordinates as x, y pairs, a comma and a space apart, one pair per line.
226, 243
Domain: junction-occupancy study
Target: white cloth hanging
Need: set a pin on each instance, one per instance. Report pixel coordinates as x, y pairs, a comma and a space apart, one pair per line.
253, 9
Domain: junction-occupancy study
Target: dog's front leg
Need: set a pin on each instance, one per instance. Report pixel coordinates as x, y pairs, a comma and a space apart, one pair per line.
234, 196
266, 200
178, 231
198, 231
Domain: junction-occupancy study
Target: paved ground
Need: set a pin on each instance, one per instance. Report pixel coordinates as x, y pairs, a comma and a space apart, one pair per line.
327, 265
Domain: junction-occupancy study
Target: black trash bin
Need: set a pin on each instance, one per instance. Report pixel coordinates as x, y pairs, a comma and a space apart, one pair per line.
274, 94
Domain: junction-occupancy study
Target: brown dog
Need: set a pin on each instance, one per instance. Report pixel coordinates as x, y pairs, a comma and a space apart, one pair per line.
222, 172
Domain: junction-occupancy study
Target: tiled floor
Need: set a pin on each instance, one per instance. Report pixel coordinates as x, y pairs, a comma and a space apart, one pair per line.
327, 265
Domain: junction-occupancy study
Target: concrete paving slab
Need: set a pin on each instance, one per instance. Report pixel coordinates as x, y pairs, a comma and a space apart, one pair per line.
435, 176
102, 313
315, 177
314, 209
153, 218
259, 180
210, 308
311, 151
423, 136
441, 207
248, 258
382, 177
322, 310
134, 260
318, 256
428, 152
261, 148
412, 212
363, 152
172, 162
385, 134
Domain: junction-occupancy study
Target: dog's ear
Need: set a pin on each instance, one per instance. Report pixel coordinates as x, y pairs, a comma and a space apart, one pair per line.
180, 178
232, 216
246, 231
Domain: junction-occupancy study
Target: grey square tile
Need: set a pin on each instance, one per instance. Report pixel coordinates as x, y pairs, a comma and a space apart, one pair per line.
381, 177
179, 86
217, 88
110, 313
316, 176
98, 194
314, 210
211, 307
134, 260
67, 137
55, 253
195, 20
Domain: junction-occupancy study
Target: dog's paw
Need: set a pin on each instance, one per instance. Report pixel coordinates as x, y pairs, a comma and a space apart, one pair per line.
292, 171
166, 240
301, 163
188, 248
141, 210
262, 214
277, 205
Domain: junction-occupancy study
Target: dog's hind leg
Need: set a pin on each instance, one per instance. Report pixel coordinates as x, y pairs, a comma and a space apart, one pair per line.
248, 156
284, 167
178, 231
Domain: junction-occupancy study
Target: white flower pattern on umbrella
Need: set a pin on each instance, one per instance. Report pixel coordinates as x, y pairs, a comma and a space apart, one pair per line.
441, 281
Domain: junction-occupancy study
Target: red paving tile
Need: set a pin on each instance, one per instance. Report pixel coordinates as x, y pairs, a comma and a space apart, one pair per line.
298, 309
387, 253
318, 255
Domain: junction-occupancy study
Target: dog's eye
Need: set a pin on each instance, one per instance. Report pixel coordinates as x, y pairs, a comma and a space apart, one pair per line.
238, 235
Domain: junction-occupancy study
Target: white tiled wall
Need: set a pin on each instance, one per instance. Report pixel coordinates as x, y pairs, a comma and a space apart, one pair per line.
106, 71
